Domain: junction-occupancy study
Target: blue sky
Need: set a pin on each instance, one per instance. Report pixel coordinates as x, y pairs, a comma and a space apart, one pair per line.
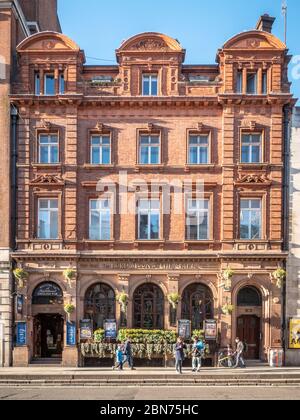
201, 26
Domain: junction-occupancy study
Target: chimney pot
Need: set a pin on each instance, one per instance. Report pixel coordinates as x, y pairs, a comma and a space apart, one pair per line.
265, 23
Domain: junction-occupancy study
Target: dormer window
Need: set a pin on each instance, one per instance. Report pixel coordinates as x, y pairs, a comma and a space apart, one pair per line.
150, 84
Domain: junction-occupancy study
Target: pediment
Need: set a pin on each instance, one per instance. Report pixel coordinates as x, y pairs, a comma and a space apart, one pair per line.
254, 40
46, 180
47, 41
151, 42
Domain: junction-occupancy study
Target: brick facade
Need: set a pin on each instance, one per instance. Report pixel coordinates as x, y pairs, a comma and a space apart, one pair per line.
13, 29
199, 100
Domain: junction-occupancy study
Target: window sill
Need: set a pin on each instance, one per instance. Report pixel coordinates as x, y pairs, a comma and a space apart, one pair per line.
91, 166
253, 165
46, 165
141, 167
189, 167
149, 241
100, 241
199, 242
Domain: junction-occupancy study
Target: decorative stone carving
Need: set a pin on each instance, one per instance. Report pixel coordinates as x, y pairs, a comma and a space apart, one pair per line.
253, 179
48, 180
149, 45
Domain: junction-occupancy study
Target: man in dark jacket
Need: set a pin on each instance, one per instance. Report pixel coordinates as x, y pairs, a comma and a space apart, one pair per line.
128, 353
240, 347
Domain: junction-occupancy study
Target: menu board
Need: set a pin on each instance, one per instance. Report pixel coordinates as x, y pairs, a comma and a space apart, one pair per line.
110, 328
21, 334
210, 329
71, 334
184, 329
86, 329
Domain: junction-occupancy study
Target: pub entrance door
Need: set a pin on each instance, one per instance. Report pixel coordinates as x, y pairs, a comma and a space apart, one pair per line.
248, 330
48, 336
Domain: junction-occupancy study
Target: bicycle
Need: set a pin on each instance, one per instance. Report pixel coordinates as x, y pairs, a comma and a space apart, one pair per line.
226, 360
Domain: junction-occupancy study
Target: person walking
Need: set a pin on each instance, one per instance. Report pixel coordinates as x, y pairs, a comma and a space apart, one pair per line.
197, 352
119, 358
128, 353
180, 346
239, 354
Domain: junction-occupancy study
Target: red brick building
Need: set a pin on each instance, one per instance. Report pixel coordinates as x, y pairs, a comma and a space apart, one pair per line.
18, 19
162, 123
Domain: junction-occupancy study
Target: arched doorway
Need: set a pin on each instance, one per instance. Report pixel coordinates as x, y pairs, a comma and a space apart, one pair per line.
148, 307
100, 304
48, 323
249, 303
197, 305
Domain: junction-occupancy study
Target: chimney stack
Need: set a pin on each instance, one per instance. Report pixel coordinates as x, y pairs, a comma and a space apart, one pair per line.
265, 23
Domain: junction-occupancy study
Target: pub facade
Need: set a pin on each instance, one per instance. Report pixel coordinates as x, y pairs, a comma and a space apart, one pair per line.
148, 179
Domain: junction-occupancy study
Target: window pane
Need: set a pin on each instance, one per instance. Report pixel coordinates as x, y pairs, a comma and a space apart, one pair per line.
61, 84
245, 154
44, 154
49, 84
54, 154
203, 155
37, 84
203, 227
106, 141
264, 83
255, 154
193, 139
95, 141
145, 155
154, 155
105, 226
146, 86
251, 83
96, 155
244, 224
43, 204
44, 139
255, 204
105, 155
43, 224
54, 224
193, 155
154, 226
53, 204
239, 82
143, 228
256, 225
95, 225
245, 204
154, 86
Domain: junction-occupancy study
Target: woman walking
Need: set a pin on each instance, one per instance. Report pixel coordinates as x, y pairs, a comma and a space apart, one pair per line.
180, 346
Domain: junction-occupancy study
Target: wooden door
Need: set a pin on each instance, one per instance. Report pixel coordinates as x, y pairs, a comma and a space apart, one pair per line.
248, 330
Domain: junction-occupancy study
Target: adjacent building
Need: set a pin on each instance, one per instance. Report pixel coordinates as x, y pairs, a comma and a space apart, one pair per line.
150, 177
293, 278
18, 20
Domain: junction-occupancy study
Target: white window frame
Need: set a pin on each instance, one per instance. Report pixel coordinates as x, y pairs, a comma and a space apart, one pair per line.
199, 147
100, 147
149, 212
101, 210
200, 210
49, 210
150, 147
251, 210
49, 146
150, 76
251, 145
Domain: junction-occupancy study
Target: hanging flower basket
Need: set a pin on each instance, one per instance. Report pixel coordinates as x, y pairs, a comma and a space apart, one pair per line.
279, 275
69, 275
227, 309
228, 274
69, 309
174, 299
20, 275
122, 298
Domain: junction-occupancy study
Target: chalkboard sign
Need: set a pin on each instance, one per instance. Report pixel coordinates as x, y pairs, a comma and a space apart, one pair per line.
184, 329
86, 329
21, 334
71, 334
110, 328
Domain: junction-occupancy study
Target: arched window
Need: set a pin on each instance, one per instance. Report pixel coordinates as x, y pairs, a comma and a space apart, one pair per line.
148, 307
100, 304
47, 294
249, 296
197, 305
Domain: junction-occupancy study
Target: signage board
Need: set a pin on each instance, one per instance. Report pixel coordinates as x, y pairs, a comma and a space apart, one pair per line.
185, 329
294, 334
210, 329
21, 334
71, 334
110, 329
86, 329
19, 304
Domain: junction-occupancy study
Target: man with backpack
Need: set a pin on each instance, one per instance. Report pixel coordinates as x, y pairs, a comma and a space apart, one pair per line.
239, 354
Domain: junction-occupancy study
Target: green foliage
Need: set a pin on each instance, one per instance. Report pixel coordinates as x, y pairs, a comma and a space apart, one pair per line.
228, 274
198, 333
227, 309
99, 335
279, 275
69, 274
69, 308
122, 298
174, 299
20, 274
147, 336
